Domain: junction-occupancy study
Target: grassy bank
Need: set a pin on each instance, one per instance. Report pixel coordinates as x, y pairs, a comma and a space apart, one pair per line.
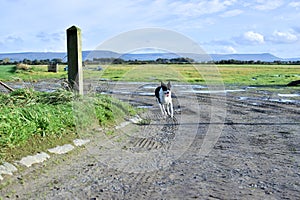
32, 121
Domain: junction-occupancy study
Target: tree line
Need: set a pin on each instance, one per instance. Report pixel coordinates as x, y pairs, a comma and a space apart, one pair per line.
180, 60
7, 61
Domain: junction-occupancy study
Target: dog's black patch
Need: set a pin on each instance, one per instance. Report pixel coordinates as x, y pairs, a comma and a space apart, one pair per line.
157, 93
164, 87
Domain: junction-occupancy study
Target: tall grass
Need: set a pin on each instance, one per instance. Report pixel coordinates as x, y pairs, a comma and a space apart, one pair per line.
26, 115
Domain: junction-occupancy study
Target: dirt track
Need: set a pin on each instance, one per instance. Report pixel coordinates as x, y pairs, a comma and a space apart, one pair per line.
257, 155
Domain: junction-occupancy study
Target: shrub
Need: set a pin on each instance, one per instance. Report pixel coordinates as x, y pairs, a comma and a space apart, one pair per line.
22, 67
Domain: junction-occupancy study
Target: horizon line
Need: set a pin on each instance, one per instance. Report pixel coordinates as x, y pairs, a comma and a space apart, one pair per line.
151, 53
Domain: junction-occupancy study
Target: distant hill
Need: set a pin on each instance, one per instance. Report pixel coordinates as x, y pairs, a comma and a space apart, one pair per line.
267, 57
147, 56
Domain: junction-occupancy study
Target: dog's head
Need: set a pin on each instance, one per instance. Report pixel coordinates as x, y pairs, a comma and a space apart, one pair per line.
166, 88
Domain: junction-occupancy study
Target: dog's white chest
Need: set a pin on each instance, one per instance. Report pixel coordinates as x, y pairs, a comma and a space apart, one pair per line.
165, 99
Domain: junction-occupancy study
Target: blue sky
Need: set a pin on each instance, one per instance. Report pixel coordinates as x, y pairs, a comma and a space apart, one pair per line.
230, 26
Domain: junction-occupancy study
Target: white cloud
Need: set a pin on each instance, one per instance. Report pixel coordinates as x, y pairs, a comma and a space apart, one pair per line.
268, 4
294, 4
216, 49
13, 39
254, 37
283, 37
229, 49
193, 8
232, 13
219, 42
51, 37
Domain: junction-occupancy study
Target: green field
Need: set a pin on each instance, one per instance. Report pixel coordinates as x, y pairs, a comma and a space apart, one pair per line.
36, 72
227, 74
203, 74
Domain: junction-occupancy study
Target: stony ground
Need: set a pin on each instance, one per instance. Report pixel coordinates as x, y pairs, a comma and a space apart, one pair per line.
243, 145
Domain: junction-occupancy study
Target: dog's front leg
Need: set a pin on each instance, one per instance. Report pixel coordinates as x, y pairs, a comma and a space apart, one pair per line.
162, 109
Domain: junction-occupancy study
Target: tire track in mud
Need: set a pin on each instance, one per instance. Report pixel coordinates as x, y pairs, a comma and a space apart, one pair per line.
158, 133
163, 129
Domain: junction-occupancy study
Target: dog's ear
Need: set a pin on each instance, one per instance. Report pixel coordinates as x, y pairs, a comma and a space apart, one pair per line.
162, 84
169, 85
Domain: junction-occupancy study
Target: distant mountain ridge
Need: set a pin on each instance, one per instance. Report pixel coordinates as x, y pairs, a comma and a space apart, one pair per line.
267, 57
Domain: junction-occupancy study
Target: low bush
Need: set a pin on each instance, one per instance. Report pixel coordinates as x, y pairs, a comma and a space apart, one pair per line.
22, 67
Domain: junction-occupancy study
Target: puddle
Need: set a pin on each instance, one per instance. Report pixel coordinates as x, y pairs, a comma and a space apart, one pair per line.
145, 93
117, 92
249, 99
148, 89
212, 91
289, 95
144, 106
284, 100
149, 86
245, 98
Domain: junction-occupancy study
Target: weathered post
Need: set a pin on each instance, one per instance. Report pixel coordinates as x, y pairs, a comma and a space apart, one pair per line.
53, 67
75, 76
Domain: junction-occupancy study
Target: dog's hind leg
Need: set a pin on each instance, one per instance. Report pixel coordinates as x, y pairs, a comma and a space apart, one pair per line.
170, 107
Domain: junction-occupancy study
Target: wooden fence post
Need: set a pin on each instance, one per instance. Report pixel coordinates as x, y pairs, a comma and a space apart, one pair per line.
74, 49
6, 86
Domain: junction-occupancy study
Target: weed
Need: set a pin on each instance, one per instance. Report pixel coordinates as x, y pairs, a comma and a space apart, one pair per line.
110, 132
144, 122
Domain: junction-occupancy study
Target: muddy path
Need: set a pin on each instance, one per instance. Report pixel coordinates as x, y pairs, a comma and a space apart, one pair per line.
242, 145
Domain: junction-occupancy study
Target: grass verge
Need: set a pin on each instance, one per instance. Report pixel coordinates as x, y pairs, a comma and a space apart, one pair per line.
32, 121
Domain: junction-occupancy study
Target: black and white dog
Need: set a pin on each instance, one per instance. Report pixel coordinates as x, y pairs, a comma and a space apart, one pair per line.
164, 99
